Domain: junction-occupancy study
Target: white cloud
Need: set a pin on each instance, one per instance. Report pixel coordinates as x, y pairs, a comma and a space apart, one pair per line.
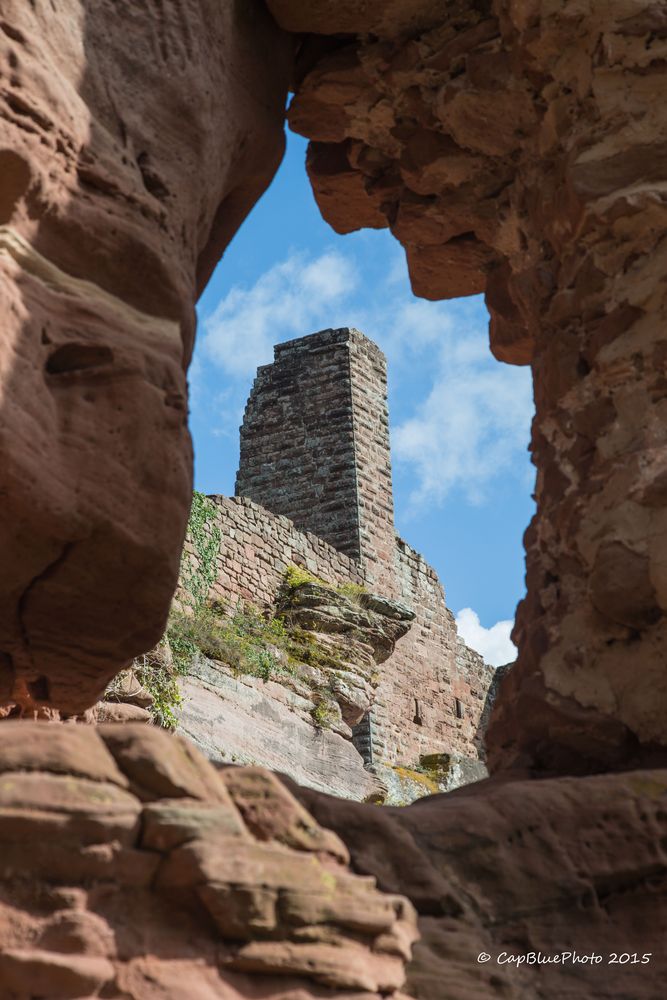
294, 297
473, 425
494, 643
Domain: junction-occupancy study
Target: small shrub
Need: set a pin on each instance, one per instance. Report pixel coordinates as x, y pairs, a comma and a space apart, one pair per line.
353, 591
296, 576
262, 663
323, 712
162, 684
241, 640
181, 631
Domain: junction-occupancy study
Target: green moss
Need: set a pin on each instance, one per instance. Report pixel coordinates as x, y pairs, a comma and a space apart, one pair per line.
296, 576
353, 591
410, 774
310, 652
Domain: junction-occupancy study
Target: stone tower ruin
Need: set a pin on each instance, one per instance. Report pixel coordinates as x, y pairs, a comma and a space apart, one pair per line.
315, 449
315, 446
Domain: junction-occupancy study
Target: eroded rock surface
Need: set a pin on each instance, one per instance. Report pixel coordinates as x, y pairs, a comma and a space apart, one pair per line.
131, 867
124, 171
510, 868
298, 717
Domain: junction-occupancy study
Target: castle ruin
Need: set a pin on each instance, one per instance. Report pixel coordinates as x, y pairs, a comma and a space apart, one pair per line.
314, 489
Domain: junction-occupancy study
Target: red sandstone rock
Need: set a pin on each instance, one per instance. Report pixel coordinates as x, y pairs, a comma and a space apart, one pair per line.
109, 711
379, 17
229, 890
551, 866
124, 172
244, 893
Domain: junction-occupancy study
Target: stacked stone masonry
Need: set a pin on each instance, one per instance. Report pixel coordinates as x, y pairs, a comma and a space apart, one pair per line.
315, 454
315, 444
256, 548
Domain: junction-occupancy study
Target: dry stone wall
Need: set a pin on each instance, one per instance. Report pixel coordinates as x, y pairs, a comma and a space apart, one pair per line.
293, 463
315, 445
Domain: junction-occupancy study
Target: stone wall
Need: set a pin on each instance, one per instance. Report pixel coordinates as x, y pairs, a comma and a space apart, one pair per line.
257, 546
315, 446
291, 462
432, 698
415, 710
374, 499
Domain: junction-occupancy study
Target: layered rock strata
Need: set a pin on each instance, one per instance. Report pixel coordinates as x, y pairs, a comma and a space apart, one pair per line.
131, 868
298, 719
124, 171
517, 149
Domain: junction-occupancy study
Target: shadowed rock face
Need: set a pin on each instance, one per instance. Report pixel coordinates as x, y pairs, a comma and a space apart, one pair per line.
573, 866
125, 168
518, 149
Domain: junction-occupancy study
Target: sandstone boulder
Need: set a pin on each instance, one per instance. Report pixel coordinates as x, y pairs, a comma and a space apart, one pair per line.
124, 172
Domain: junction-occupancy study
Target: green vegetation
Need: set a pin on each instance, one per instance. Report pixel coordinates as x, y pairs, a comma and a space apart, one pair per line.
353, 591
153, 672
296, 576
324, 710
162, 684
198, 573
245, 640
251, 643
302, 647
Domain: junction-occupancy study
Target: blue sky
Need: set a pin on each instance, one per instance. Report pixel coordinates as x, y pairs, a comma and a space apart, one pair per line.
460, 421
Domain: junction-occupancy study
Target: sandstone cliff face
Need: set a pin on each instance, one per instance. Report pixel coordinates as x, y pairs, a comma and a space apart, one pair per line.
517, 149
131, 867
133, 140
516, 146
296, 713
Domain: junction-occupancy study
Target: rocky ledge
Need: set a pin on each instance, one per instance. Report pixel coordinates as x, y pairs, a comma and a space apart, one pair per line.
130, 866
297, 717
